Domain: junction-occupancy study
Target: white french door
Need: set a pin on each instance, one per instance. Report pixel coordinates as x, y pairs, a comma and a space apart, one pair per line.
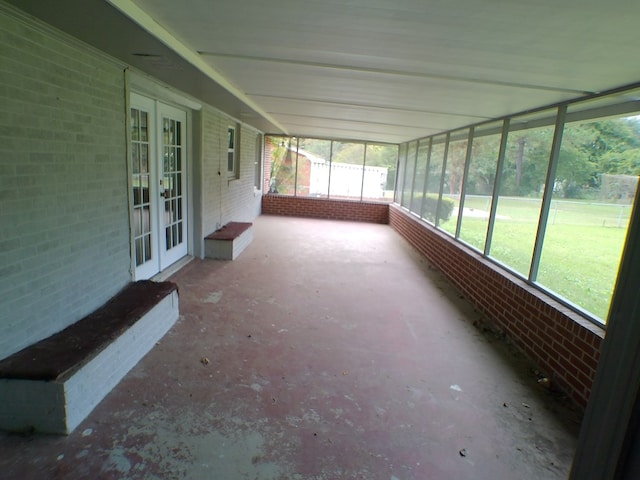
158, 178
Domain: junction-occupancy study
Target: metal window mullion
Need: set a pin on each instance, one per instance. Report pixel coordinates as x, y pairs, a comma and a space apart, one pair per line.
426, 176
413, 178
404, 156
548, 192
364, 165
436, 221
404, 173
465, 174
395, 180
260, 163
295, 182
496, 186
330, 159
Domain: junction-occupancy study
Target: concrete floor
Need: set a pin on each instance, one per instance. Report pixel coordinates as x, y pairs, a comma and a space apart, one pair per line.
327, 350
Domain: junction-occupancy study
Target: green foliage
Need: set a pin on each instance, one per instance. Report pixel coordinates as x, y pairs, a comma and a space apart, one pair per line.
484, 159
352, 152
282, 170
382, 156
446, 208
526, 161
319, 148
589, 149
430, 206
455, 166
598, 160
344, 152
575, 228
616, 146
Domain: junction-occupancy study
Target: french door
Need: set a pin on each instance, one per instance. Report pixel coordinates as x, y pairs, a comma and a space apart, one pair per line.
158, 180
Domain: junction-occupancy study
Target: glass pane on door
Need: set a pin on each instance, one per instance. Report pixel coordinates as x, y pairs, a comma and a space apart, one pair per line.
172, 179
140, 183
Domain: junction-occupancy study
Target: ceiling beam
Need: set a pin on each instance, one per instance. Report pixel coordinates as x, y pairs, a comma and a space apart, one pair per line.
403, 73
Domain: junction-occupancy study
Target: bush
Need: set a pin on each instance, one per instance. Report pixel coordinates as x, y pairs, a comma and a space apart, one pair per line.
431, 205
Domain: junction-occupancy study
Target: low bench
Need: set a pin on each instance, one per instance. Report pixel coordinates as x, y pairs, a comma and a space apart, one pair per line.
52, 385
228, 242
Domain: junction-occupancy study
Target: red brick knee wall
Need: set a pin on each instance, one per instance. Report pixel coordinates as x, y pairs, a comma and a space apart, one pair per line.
560, 342
325, 208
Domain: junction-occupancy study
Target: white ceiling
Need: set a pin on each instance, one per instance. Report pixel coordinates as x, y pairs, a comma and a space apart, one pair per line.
376, 70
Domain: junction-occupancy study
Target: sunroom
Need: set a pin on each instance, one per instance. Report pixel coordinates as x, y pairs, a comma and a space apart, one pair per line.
501, 141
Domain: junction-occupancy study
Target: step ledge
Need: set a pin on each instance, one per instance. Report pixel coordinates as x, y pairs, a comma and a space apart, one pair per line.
59, 406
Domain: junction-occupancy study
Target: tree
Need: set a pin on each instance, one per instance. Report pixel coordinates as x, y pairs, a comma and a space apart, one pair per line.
577, 166
455, 166
484, 160
526, 161
590, 149
282, 175
319, 148
617, 145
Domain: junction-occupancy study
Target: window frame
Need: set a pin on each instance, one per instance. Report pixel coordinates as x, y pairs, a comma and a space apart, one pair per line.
559, 117
258, 164
233, 152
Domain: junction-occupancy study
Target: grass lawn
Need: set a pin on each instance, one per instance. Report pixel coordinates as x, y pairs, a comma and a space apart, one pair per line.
581, 251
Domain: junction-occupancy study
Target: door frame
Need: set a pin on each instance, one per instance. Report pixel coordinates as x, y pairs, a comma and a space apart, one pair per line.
151, 266
141, 88
168, 258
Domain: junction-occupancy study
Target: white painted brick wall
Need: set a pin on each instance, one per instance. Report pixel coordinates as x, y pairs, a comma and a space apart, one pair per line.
226, 200
64, 241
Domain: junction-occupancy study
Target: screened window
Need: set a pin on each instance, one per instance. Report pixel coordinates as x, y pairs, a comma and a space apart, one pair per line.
314, 167
479, 185
452, 186
553, 207
595, 184
422, 169
282, 161
347, 167
402, 168
330, 168
434, 177
521, 188
379, 172
409, 175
